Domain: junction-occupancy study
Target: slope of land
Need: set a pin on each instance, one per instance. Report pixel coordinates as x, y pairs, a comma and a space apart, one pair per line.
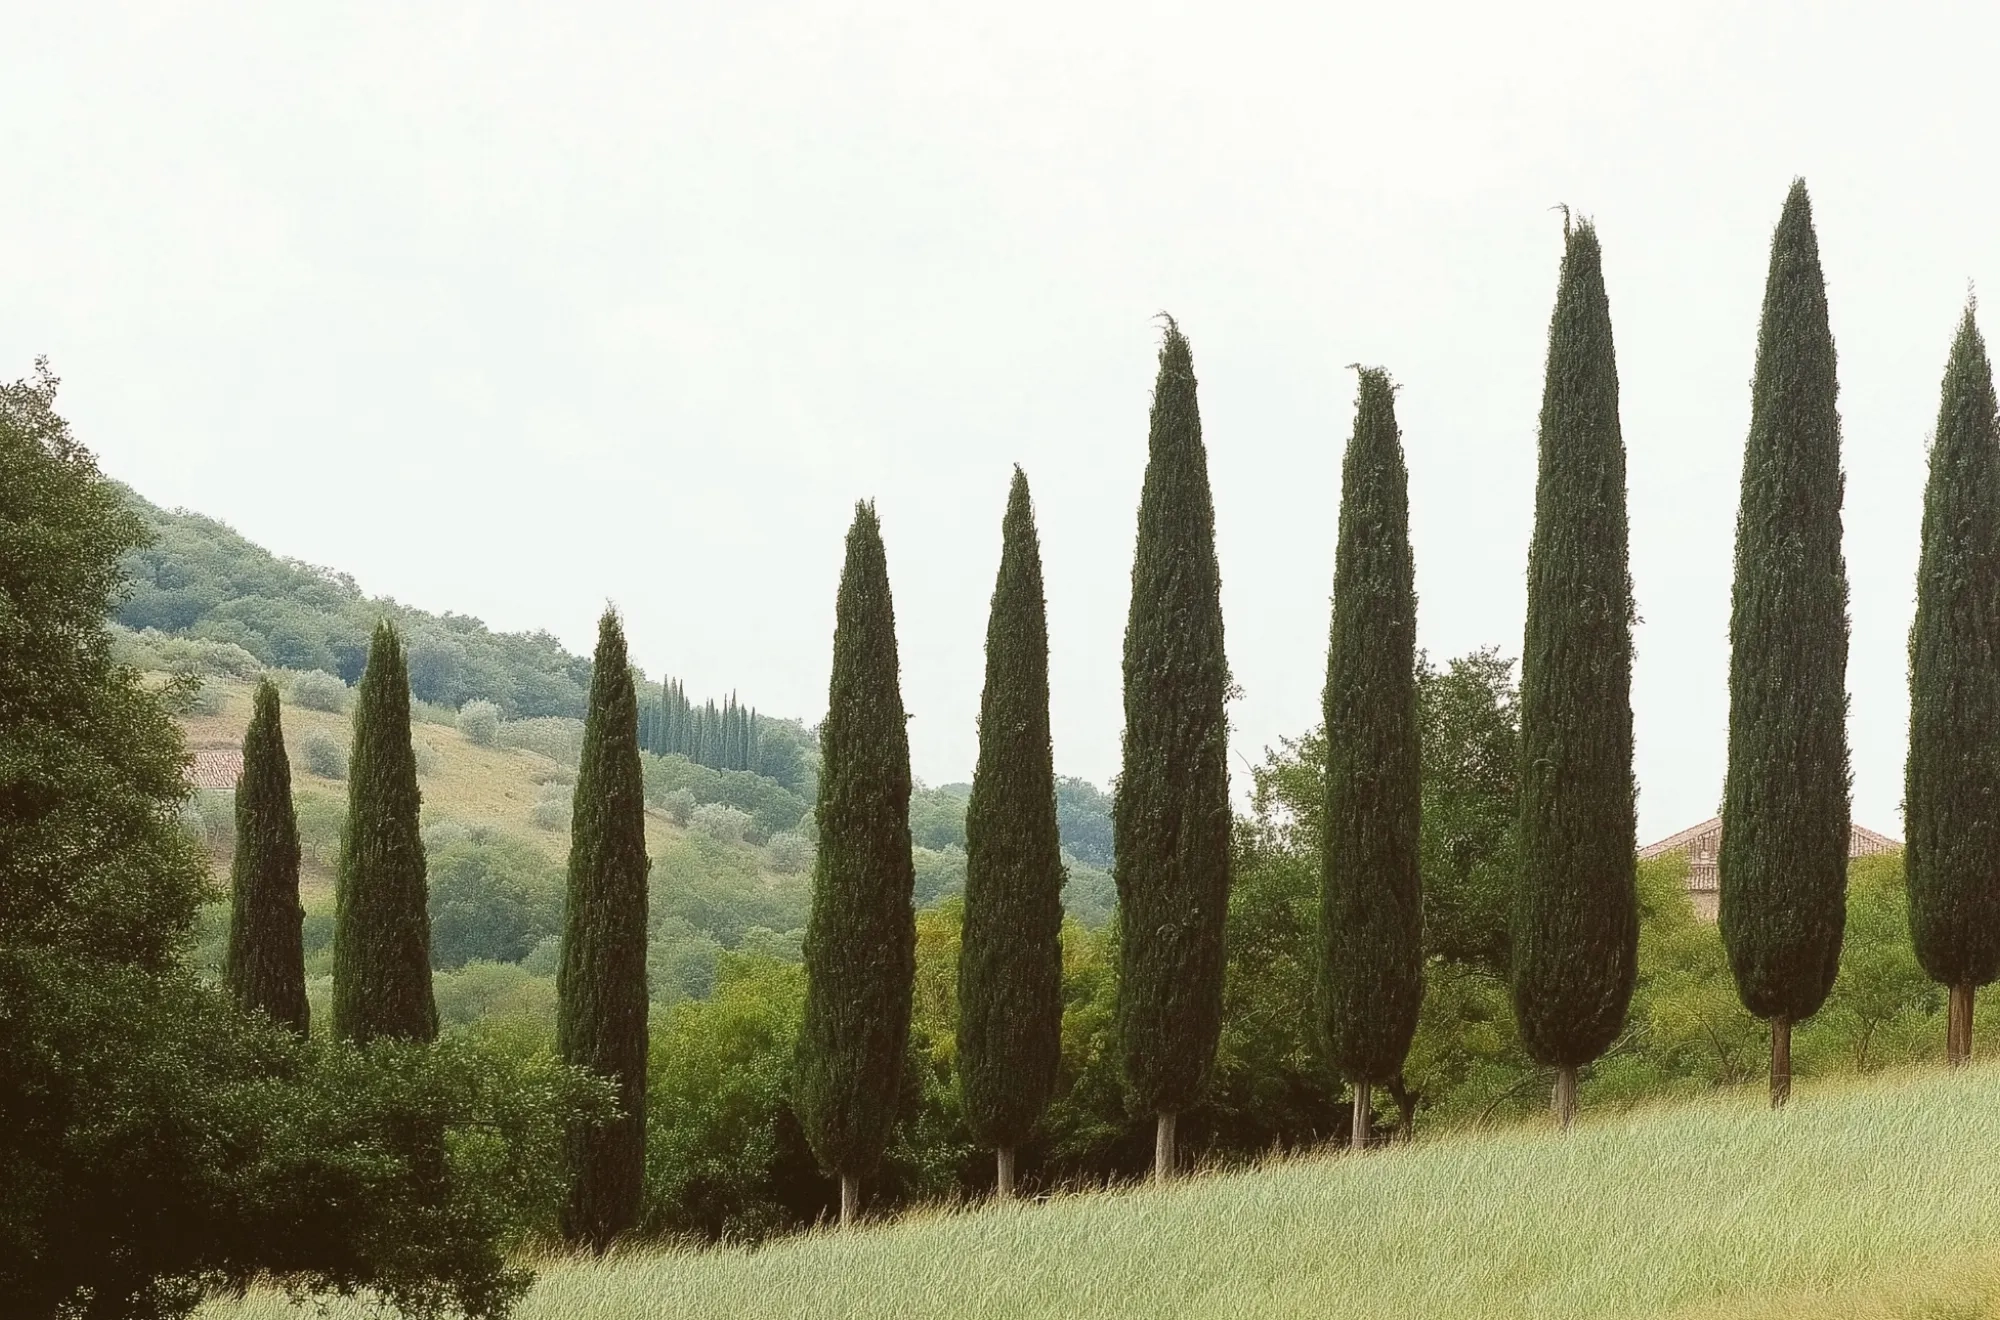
1863, 1199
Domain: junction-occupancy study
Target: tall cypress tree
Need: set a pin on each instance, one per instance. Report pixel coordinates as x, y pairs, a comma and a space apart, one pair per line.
861, 936
1170, 821
1783, 861
1575, 926
1010, 958
266, 965
381, 930
1371, 900
601, 984
1952, 781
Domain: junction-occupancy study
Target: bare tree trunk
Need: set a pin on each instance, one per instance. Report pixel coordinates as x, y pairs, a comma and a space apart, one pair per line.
1781, 1061
1958, 1027
1003, 1184
850, 1199
1363, 1112
1564, 1099
1163, 1149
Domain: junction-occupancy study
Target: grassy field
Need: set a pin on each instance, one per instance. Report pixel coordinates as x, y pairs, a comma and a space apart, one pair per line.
1879, 1198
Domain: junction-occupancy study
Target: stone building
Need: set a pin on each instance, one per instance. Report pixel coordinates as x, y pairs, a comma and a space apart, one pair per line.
1703, 842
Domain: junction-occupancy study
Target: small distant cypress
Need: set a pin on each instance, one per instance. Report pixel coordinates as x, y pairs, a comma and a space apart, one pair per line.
1785, 838
381, 930
861, 935
1371, 899
1010, 1000
1575, 928
601, 991
266, 966
1171, 820
1952, 782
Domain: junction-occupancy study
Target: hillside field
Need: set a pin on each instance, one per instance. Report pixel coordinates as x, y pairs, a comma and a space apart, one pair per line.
1873, 1199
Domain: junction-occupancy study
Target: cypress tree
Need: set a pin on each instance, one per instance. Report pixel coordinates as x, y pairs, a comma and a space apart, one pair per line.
601, 983
861, 935
1783, 861
1010, 1000
266, 965
1371, 902
1952, 780
381, 931
1575, 926
1171, 820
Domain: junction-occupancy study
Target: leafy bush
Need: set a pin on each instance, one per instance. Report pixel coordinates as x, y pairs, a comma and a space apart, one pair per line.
323, 755
205, 699
426, 757
151, 650
479, 721
321, 816
940, 874
318, 690
209, 815
555, 808
720, 821
937, 815
679, 805
772, 807
495, 993
492, 899
561, 740
789, 852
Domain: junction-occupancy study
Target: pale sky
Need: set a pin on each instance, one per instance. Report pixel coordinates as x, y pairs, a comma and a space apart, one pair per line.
513, 310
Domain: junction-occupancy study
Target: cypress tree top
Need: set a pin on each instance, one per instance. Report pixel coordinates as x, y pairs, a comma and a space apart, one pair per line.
1783, 862
1371, 904
601, 985
1575, 930
265, 968
1953, 776
382, 931
1170, 820
1010, 958
860, 943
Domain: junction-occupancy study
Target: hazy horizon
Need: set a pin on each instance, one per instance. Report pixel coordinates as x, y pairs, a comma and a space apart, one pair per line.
513, 312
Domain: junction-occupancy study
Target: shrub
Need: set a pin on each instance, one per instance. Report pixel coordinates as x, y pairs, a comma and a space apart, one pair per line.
556, 806
492, 899
318, 690
205, 699
720, 821
210, 818
790, 852
323, 755
679, 806
322, 816
479, 721
427, 758
559, 739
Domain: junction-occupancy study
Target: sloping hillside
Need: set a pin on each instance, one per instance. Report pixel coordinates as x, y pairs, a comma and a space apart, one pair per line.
1867, 1199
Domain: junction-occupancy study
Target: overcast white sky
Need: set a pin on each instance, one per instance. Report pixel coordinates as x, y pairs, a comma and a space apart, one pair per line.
512, 310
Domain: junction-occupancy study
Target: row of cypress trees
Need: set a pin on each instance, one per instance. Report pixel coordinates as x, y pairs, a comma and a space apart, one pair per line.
381, 940
721, 737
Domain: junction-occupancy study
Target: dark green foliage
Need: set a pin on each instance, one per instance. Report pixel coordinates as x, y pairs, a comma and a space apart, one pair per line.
1010, 955
1083, 812
1953, 774
1783, 864
382, 932
1576, 923
601, 987
1371, 902
860, 946
1171, 821
1471, 724
155, 1141
493, 898
266, 966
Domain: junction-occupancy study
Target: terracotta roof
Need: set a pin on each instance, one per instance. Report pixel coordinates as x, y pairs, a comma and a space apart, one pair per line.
1864, 842
216, 768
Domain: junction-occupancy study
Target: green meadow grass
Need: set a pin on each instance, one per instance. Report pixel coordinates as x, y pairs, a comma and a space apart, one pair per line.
1877, 1198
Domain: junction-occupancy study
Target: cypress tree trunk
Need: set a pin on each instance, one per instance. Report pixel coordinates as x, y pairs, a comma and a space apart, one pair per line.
1952, 777
1010, 999
266, 968
381, 932
1163, 1147
1785, 837
1575, 926
601, 992
1371, 903
1563, 1101
850, 1199
860, 943
1003, 1173
1781, 1060
1171, 819
1364, 1115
